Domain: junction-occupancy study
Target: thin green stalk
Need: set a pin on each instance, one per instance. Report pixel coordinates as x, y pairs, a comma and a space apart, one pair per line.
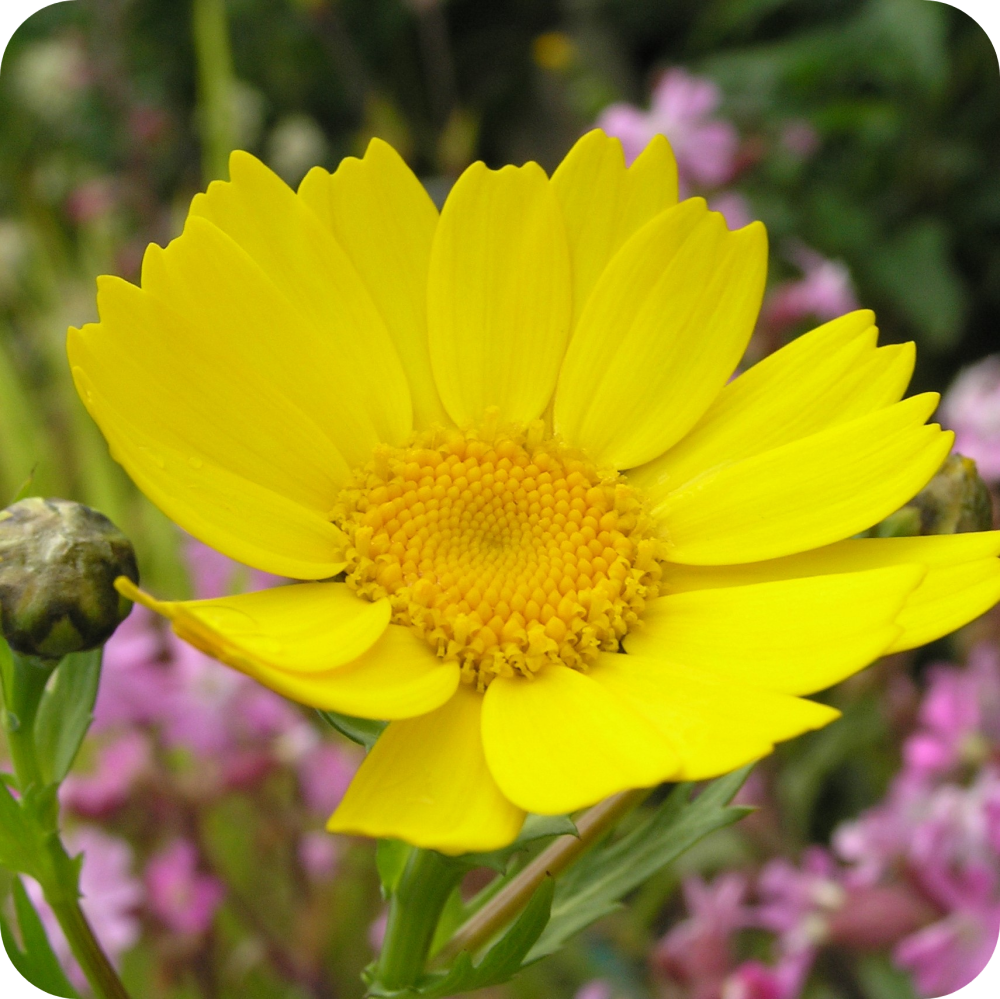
553, 860
414, 912
210, 27
60, 881
93, 961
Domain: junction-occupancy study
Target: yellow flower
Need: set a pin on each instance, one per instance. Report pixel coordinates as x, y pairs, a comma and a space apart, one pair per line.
513, 428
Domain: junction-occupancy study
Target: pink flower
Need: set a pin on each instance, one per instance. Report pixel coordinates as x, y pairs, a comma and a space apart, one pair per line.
971, 407
697, 952
823, 292
134, 680
681, 108
181, 897
597, 989
110, 896
119, 764
950, 953
318, 854
324, 773
796, 901
756, 980
215, 575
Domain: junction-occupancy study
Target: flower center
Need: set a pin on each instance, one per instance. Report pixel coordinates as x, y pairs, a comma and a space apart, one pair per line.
505, 551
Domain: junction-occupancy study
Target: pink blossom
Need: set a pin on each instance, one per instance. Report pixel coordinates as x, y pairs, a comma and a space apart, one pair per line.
682, 109
756, 980
119, 764
134, 679
110, 896
950, 953
796, 900
318, 854
697, 952
733, 207
182, 898
971, 407
324, 773
216, 575
597, 989
823, 292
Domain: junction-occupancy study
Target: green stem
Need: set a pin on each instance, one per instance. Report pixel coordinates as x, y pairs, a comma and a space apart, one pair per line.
215, 86
30, 675
59, 882
414, 911
555, 858
93, 961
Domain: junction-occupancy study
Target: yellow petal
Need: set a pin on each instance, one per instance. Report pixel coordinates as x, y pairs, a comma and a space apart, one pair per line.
319, 312
808, 493
559, 742
962, 581
662, 331
426, 782
250, 519
829, 376
604, 203
499, 295
795, 636
714, 723
383, 218
316, 643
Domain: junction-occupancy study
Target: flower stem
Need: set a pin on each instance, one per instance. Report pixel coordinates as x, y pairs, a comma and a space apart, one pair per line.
57, 873
93, 961
414, 912
215, 86
554, 859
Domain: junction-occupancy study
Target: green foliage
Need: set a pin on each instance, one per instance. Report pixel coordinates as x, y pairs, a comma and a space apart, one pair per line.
502, 960
66, 711
17, 840
36, 961
595, 886
363, 731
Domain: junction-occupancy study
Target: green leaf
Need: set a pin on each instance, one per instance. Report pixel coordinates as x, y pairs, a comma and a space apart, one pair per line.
363, 731
595, 885
391, 856
17, 837
37, 962
502, 961
66, 711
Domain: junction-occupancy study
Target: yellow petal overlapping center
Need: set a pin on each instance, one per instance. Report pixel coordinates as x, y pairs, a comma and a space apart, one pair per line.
514, 427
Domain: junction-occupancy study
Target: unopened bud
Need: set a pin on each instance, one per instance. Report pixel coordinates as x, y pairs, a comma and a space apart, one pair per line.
956, 500
58, 565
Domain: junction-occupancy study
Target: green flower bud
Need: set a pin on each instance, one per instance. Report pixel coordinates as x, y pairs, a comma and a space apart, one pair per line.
58, 565
956, 500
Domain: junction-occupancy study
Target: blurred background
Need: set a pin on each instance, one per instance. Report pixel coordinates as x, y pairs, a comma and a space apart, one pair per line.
864, 133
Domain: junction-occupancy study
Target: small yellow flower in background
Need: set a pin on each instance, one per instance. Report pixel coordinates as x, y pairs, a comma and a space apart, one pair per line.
512, 428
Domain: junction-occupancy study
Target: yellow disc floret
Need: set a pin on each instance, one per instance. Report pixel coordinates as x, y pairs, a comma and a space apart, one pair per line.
505, 551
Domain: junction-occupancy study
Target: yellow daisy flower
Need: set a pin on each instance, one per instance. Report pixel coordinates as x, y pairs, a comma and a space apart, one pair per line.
512, 430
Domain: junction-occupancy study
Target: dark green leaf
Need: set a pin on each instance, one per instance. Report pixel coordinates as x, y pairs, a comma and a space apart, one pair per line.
363, 731
503, 960
391, 856
66, 711
595, 886
37, 963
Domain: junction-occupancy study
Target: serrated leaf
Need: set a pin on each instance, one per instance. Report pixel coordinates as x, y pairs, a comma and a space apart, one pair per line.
503, 960
391, 856
17, 836
66, 711
363, 731
37, 963
596, 884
